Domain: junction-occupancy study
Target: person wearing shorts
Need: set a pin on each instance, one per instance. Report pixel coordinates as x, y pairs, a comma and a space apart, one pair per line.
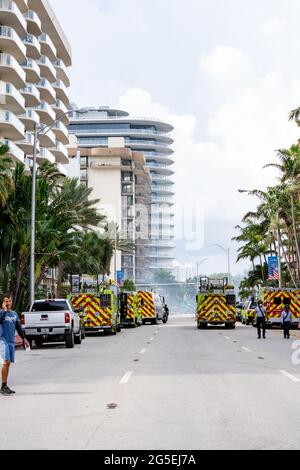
9, 324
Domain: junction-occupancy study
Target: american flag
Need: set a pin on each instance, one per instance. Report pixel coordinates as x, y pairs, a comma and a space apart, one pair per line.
273, 269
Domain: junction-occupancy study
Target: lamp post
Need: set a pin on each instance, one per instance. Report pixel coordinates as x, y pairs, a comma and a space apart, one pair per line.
227, 251
243, 191
39, 131
199, 263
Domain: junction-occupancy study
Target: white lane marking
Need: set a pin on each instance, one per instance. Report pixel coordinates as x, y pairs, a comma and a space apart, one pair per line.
289, 376
246, 349
226, 337
143, 351
126, 378
151, 339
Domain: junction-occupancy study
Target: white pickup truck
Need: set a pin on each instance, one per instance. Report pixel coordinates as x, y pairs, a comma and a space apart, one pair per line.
51, 321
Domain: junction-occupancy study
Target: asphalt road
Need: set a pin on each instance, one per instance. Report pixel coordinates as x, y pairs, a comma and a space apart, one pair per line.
172, 387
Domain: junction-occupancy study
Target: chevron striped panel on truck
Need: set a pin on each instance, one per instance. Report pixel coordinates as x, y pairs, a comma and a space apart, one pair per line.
130, 311
147, 305
90, 305
274, 310
215, 309
95, 315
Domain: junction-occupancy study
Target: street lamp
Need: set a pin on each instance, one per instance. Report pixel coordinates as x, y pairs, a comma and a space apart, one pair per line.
199, 263
226, 250
243, 191
39, 131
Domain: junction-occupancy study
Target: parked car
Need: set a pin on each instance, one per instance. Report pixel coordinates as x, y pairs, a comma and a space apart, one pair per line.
49, 321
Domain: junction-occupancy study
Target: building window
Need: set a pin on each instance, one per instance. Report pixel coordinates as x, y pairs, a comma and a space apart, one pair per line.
84, 162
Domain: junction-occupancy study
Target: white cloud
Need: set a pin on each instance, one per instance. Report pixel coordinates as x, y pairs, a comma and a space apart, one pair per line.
241, 137
228, 67
275, 26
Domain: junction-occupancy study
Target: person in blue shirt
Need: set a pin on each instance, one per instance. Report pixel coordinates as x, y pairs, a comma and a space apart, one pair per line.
287, 321
9, 324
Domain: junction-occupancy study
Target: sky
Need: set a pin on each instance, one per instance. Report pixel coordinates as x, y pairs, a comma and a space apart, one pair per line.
225, 73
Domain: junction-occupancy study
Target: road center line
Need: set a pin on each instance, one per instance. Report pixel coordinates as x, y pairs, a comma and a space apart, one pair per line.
226, 337
151, 339
289, 376
126, 378
143, 351
246, 349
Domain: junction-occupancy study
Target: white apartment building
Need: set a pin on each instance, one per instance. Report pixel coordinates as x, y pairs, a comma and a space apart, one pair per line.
34, 81
105, 127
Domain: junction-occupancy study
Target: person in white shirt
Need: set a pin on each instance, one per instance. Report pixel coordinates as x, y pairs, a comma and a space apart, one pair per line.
287, 321
260, 319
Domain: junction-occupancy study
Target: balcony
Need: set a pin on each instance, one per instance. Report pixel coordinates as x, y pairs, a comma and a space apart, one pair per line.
11, 43
31, 95
34, 24
45, 156
11, 99
62, 72
161, 200
32, 70
47, 69
12, 16
30, 119
48, 140
61, 92
14, 152
47, 47
61, 153
61, 133
62, 170
46, 113
33, 47
47, 92
22, 5
11, 127
11, 71
60, 109
27, 144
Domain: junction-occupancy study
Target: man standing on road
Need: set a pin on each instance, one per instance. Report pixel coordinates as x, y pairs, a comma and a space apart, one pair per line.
9, 324
287, 320
260, 319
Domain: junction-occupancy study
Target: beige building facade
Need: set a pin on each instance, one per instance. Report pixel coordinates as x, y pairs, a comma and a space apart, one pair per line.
120, 179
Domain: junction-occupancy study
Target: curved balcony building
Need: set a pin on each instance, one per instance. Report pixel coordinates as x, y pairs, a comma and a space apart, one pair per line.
105, 127
34, 60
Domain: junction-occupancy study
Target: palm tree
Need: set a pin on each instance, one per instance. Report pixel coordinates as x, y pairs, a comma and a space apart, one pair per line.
6, 180
289, 168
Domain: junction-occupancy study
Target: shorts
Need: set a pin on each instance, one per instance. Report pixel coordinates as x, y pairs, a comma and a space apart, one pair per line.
7, 351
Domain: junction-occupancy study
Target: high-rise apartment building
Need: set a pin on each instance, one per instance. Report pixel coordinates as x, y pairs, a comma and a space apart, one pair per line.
34, 80
120, 180
105, 127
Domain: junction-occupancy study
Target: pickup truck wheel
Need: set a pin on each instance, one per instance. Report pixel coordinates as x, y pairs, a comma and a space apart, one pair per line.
119, 328
78, 338
70, 340
38, 342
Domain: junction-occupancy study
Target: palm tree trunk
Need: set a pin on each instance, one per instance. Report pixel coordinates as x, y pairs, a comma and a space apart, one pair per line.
281, 248
295, 234
60, 274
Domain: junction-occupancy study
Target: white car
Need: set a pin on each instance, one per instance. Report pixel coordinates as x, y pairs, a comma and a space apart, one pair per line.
51, 321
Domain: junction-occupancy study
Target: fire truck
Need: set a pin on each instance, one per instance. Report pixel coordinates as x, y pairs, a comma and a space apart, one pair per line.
275, 301
216, 303
152, 307
130, 309
99, 310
